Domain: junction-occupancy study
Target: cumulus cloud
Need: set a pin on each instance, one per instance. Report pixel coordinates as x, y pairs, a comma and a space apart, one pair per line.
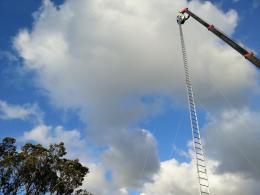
173, 178
47, 135
233, 139
126, 146
136, 150
177, 178
98, 179
22, 112
75, 145
118, 51
105, 58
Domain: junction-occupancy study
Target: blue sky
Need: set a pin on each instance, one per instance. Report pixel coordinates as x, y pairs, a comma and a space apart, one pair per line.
247, 31
31, 96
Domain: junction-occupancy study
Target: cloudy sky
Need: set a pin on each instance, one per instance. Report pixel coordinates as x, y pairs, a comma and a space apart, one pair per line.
106, 78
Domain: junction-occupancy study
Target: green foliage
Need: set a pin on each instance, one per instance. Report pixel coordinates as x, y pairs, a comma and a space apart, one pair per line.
39, 170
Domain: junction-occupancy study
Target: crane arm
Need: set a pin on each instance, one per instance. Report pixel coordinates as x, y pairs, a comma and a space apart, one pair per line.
247, 54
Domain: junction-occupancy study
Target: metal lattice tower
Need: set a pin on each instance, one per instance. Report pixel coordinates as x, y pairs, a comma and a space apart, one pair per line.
200, 158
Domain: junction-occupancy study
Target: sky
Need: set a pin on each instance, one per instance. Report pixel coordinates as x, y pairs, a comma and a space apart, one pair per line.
106, 78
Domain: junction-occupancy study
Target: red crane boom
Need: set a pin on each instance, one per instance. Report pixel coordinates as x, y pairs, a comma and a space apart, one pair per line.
186, 13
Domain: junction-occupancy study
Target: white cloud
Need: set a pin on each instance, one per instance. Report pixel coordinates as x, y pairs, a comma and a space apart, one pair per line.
132, 157
47, 135
24, 112
75, 145
177, 178
233, 139
102, 57
96, 183
173, 178
123, 171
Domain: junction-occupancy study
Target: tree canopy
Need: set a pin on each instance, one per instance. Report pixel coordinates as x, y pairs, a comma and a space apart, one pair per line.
39, 170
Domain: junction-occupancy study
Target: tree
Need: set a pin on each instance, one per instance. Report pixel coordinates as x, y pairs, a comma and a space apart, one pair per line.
39, 170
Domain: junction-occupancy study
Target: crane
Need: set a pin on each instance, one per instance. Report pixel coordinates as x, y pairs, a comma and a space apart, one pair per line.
186, 13
183, 16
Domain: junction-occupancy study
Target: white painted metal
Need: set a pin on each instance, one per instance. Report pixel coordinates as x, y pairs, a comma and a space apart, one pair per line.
198, 149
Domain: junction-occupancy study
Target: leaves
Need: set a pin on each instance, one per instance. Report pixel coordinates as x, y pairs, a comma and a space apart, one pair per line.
39, 170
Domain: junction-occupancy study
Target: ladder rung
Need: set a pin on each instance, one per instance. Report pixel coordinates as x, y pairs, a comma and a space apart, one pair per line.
196, 135
199, 165
204, 175
197, 139
202, 170
203, 165
193, 111
193, 114
192, 107
195, 127
198, 148
194, 122
201, 159
205, 172
202, 178
204, 186
199, 153
196, 132
193, 118
192, 104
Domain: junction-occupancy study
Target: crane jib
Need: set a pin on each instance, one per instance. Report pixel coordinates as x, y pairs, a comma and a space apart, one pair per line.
247, 54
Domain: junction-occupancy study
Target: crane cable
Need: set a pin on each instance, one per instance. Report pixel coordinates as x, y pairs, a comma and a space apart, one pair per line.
197, 143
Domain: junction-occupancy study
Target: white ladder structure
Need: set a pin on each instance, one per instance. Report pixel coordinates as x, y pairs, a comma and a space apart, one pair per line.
200, 158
